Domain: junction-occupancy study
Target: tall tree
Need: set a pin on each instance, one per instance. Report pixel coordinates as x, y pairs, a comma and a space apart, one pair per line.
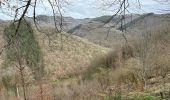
24, 51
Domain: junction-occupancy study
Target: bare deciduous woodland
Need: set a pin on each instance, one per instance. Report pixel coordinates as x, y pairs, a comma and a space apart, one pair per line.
47, 54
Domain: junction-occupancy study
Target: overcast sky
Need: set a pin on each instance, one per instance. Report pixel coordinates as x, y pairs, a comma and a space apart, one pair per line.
93, 8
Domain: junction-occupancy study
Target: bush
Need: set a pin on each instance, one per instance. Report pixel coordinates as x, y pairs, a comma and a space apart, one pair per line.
112, 60
143, 97
74, 29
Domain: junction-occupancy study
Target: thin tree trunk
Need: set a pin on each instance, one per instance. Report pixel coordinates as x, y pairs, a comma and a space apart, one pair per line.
17, 88
18, 93
39, 80
22, 80
41, 89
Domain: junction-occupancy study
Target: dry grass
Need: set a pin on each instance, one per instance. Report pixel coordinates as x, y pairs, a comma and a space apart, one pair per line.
69, 56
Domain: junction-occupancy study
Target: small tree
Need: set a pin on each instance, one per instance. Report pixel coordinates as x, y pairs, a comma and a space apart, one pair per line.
23, 51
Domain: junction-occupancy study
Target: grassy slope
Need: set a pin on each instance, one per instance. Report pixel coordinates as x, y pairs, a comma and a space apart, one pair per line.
69, 56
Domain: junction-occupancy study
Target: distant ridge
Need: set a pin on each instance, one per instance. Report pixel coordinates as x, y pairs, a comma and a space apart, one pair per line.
129, 24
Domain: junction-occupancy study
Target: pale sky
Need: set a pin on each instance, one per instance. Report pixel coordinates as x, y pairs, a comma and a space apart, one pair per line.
93, 8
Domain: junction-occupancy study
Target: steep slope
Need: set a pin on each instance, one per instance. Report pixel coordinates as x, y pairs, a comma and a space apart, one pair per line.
69, 56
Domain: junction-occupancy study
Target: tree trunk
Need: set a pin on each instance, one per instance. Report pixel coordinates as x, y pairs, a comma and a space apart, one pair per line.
18, 92
41, 89
22, 80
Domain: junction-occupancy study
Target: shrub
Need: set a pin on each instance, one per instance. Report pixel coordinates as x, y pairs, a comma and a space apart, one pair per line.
113, 60
143, 97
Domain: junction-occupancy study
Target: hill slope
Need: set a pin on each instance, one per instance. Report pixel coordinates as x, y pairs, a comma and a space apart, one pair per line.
68, 56
64, 57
